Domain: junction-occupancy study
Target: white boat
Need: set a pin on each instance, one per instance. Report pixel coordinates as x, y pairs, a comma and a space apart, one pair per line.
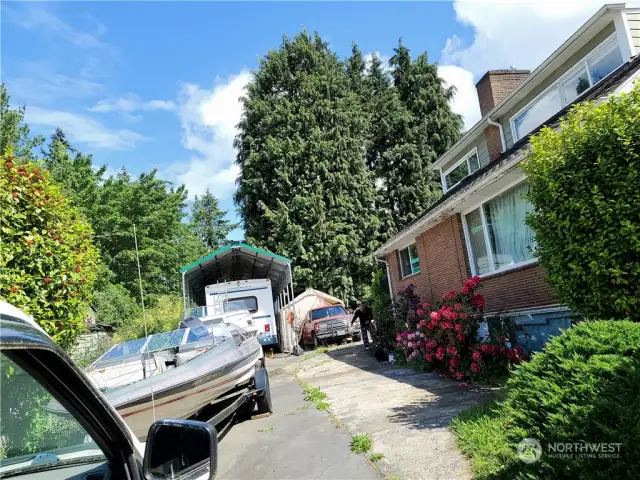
175, 374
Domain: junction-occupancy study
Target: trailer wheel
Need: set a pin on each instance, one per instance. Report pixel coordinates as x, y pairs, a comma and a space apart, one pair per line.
264, 401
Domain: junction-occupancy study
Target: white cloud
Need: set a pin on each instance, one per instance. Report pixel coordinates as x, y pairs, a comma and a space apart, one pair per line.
38, 18
465, 101
83, 129
39, 83
209, 124
130, 103
507, 33
383, 58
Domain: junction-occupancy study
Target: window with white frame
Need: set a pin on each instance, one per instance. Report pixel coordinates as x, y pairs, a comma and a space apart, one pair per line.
468, 164
497, 236
603, 60
409, 261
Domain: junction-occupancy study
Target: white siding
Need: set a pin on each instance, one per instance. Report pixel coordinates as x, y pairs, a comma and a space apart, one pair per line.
633, 19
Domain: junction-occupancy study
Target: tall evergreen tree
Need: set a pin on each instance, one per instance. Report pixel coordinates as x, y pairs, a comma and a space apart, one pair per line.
74, 172
208, 223
416, 126
304, 189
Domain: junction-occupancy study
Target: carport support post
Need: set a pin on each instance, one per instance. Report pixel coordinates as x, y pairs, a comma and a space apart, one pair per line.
184, 295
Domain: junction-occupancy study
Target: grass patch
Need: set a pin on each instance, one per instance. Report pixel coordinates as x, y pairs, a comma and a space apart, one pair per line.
481, 434
268, 428
322, 405
336, 421
360, 443
376, 457
313, 394
303, 407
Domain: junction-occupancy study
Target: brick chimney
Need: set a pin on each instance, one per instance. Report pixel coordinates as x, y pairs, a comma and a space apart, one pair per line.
492, 88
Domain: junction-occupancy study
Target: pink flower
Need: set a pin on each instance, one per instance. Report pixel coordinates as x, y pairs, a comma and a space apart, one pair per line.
459, 376
451, 294
411, 336
452, 350
398, 337
460, 337
475, 367
477, 301
457, 306
439, 354
432, 344
477, 356
485, 348
419, 311
410, 345
464, 315
465, 290
429, 357
425, 305
458, 328
435, 316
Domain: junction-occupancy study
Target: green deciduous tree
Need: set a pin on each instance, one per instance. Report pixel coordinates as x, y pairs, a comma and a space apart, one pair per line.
165, 243
48, 261
584, 188
305, 191
14, 133
208, 223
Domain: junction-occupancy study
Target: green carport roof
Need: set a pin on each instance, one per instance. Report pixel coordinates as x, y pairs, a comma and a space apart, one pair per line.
237, 261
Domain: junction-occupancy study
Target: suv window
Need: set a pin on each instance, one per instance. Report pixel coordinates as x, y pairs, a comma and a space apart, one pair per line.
32, 436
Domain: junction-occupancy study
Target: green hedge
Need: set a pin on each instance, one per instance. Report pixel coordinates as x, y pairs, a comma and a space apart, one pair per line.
584, 387
584, 188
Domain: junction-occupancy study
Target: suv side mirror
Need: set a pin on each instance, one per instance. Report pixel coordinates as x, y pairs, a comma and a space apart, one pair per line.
178, 449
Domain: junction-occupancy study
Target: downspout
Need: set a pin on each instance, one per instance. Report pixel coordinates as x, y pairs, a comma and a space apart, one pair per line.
502, 141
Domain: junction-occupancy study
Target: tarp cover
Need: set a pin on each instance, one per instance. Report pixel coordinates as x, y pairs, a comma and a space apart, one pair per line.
308, 300
237, 261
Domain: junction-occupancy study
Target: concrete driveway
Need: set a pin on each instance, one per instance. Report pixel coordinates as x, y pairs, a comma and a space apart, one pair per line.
296, 442
405, 413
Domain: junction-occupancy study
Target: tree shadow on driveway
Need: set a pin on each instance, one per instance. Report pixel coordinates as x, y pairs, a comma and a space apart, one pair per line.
432, 403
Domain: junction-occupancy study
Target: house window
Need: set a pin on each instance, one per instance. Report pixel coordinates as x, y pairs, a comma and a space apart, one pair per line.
497, 235
409, 261
581, 77
462, 168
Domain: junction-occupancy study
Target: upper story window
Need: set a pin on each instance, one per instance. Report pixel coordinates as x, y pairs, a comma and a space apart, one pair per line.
468, 164
496, 233
580, 78
409, 261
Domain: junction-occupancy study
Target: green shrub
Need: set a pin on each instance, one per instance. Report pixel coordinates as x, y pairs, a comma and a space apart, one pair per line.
584, 387
584, 188
162, 316
47, 259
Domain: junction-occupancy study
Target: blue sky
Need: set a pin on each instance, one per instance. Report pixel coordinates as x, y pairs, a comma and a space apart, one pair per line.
155, 84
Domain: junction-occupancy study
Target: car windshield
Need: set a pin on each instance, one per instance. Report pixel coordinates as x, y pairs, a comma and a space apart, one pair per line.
32, 437
325, 312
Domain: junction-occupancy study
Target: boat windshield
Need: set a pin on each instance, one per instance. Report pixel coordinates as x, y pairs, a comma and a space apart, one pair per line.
154, 343
132, 347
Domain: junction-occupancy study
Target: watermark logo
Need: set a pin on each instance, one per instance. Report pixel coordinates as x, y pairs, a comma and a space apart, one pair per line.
529, 450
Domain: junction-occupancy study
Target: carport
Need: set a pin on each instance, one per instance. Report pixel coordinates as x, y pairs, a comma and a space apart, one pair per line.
240, 261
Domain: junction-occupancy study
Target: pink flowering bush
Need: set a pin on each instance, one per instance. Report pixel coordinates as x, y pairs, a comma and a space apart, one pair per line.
445, 340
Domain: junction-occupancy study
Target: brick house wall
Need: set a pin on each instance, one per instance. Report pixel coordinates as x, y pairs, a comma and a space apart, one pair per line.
444, 266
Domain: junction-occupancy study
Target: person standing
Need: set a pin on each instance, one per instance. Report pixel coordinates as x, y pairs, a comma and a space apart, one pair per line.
364, 313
